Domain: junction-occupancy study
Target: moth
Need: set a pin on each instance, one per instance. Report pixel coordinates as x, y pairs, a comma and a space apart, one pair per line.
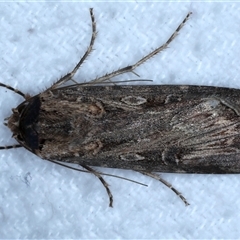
145, 128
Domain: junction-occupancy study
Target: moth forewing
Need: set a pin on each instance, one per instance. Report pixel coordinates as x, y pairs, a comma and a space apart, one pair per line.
187, 129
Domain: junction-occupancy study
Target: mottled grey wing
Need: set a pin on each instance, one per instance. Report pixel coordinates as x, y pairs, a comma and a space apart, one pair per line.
153, 128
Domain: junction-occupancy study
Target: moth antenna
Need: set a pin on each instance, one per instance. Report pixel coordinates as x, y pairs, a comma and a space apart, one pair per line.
105, 83
115, 82
104, 174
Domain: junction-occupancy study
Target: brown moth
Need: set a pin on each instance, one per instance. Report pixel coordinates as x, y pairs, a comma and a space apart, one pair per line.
149, 128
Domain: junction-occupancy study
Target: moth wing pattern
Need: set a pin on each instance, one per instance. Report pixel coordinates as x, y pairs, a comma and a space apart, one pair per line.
123, 123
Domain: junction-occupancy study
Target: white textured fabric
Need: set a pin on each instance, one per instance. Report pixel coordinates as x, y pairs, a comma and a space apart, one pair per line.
39, 42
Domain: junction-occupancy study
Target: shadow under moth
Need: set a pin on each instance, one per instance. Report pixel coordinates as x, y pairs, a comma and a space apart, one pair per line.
145, 128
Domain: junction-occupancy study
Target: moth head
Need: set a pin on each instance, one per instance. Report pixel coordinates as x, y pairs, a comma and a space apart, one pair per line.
22, 123
12, 122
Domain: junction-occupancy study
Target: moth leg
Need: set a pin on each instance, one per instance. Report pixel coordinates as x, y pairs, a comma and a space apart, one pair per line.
10, 146
26, 96
70, 75
131, 68
157, 177
98, 175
